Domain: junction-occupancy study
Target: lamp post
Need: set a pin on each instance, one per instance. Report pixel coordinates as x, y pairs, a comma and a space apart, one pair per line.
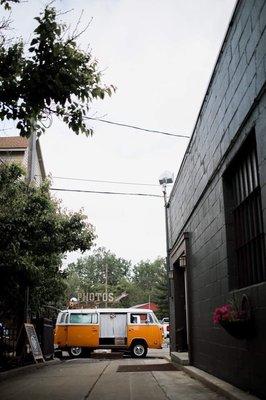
165, 179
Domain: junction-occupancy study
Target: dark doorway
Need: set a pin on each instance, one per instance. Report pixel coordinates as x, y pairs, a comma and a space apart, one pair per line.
180, 307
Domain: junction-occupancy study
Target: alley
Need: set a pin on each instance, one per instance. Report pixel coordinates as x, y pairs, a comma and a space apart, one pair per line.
105, 378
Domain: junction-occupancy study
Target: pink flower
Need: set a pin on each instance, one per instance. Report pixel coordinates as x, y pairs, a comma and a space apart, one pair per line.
222, 313
227, 312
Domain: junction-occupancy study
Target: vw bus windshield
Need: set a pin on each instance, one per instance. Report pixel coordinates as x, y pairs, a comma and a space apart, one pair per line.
155, 318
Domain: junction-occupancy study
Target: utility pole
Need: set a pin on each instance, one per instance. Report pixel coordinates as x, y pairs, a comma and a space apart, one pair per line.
30, 180
106, 285
165, 179
32, 158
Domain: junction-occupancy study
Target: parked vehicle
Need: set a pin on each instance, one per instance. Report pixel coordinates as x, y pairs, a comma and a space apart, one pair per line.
165, 324
80, 331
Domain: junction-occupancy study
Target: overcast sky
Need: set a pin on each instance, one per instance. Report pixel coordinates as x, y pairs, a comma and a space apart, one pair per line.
160, 56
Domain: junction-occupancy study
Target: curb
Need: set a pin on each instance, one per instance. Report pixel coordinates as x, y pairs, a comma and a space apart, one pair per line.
27, 369
217, 385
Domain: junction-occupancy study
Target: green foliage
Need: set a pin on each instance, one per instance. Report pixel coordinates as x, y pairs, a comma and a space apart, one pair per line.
55, 77
145, 274
160, 293
88, 274
6, 3
145, 281
35, 233
151, 280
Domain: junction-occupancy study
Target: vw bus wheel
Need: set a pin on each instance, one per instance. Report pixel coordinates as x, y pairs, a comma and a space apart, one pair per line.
139, 350
75, 352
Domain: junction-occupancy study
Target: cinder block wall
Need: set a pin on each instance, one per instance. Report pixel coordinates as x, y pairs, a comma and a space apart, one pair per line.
235, 102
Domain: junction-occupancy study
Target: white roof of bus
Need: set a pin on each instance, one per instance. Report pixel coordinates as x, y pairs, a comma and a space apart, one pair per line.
108, 310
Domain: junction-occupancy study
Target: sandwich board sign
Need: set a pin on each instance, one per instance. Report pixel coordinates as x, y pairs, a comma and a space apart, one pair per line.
34, 343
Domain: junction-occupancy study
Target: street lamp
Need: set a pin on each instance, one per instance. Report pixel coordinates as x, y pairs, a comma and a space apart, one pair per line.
165, 179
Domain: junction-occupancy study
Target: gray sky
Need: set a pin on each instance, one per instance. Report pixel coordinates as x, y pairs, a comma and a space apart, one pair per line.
159, 55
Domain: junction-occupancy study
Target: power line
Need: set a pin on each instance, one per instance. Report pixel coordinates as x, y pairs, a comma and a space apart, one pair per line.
127, 126
103, 192
6, 129
137, 127
105, 181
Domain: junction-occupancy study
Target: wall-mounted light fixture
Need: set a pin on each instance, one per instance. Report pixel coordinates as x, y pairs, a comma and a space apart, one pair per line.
182, 261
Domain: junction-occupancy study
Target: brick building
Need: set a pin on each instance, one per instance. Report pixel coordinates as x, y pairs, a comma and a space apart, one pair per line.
217, 211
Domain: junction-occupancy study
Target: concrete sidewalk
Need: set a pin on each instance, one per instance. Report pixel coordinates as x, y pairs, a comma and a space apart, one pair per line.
155, 385
217, 385
27, 369
67, 380
99, 380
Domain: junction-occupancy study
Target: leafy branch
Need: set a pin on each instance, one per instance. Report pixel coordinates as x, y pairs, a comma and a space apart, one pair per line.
35, 232
56, 73
6, 3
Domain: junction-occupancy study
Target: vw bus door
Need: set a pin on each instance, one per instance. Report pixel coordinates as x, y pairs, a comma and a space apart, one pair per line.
60, 337
113, 329
83, 329
144, 326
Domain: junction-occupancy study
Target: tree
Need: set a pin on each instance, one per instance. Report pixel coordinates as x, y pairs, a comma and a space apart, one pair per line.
56, 78
146, 281
160, 294
134, 293
88, 274
146, 276
35, 233
6, 3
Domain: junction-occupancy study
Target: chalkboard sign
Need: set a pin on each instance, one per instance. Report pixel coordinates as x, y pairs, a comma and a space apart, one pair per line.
34, 343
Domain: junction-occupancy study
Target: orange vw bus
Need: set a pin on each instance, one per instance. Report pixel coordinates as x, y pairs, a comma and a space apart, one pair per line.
131, 329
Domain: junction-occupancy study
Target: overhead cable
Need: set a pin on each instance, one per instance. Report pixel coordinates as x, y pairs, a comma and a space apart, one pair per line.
104, 192
137, 127
105, 181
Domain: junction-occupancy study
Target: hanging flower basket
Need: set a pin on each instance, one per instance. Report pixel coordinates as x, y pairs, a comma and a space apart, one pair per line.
240, 329
236, 320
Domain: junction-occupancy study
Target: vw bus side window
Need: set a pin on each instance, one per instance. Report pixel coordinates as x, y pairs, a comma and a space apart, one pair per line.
139, 318
62, 319
150, 319
83, 318
155, 319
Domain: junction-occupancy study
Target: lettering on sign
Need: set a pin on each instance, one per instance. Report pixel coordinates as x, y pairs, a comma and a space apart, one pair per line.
34, 343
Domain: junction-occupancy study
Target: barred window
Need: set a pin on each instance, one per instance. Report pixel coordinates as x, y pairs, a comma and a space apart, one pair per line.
247, 262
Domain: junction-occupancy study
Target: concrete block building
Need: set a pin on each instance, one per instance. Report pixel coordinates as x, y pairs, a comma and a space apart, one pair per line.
217, 211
